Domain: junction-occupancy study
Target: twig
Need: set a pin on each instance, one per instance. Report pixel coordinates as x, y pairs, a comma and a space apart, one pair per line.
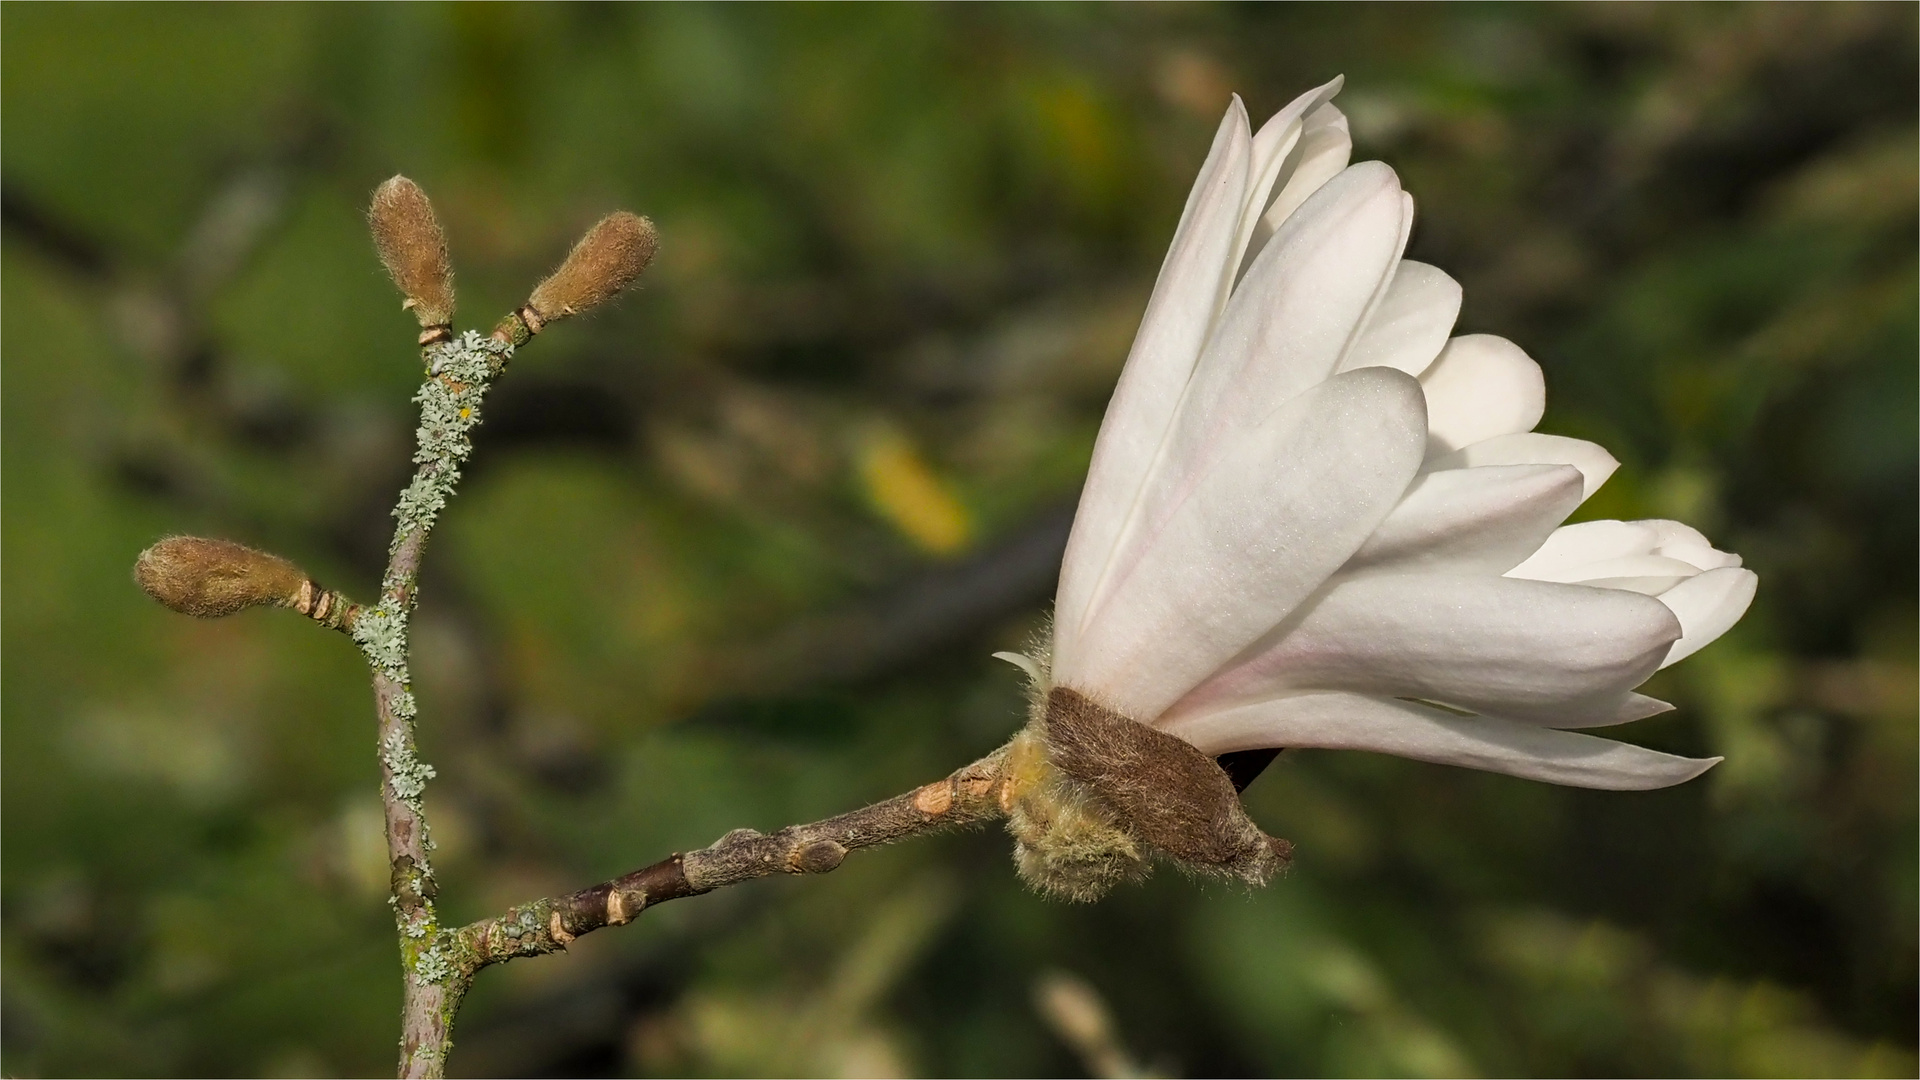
413, 248
970, 796
459, 373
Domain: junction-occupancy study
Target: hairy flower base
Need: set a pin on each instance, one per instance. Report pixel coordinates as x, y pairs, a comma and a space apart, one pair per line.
1092, 797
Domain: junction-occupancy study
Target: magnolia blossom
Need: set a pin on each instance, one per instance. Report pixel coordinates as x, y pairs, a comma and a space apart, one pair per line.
1314, 519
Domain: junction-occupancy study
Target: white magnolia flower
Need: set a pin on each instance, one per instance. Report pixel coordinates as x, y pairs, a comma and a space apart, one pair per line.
1315, 520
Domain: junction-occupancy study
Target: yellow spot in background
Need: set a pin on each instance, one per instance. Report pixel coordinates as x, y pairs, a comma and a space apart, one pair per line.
904, 489
1194, 81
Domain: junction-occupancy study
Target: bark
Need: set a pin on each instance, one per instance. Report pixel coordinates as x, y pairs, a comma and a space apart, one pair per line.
970, 796
434, 979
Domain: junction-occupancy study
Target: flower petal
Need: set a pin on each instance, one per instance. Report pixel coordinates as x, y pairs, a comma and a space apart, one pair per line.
1650, 575
1296, 312
1481, 386
1024, 663
1528, 448
1324, 149
1572, 549
1684, 542
1405, 729
1529, 650
1708, 605
1273, 160
1483, 520
1283, 331
1625, 709
1249, 539
1190, 290
1412, 323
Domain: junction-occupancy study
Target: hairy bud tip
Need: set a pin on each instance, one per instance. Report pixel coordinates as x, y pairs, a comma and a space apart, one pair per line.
605, 261
211, 578
414, 250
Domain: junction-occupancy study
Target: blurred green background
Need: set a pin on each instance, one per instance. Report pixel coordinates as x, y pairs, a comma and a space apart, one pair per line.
734, 554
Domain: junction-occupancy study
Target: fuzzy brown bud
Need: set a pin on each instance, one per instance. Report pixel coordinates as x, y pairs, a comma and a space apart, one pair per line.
211, 578
414, 250
605, 261
1092, 795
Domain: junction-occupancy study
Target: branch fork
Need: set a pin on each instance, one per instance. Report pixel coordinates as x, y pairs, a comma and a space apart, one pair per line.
1027, 781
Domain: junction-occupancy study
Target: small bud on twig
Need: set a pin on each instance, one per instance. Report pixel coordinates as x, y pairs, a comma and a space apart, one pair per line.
818, 857
212, 578
414, 250
605, 261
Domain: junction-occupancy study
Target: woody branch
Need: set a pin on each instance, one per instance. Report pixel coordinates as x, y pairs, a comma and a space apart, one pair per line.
459, 372
212, 578
1074, 786
970, 796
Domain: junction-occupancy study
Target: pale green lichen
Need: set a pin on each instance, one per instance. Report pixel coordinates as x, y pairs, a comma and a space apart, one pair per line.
382, 634
434, 963
449, 409
527, 922
459, 371
422, 944
409, 774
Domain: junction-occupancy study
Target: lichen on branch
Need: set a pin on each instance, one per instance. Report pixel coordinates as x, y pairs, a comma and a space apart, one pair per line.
459, 371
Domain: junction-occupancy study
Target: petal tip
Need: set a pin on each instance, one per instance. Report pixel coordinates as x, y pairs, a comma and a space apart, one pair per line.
1378, 173
1023, 662
1699, 767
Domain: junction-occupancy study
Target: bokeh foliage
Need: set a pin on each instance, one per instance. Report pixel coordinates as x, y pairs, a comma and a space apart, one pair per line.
735, 553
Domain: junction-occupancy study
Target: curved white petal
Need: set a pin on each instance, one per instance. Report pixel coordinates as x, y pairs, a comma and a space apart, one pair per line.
1191, 288
1648, 574
1644, 556
1625, 709
1248, 540
1356, 722
1529, 650
1479, 387
1529, 448
1700, 557
1412, 323
1324, 149
1297, 311
1675, 533
1483, 520
1677, 540
1274, 159
1283, 331
1024, 663
1566, 555
1708, 605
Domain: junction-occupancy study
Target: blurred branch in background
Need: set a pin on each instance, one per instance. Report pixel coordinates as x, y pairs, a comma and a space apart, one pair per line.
936, 609
691, 587
1075, 1012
